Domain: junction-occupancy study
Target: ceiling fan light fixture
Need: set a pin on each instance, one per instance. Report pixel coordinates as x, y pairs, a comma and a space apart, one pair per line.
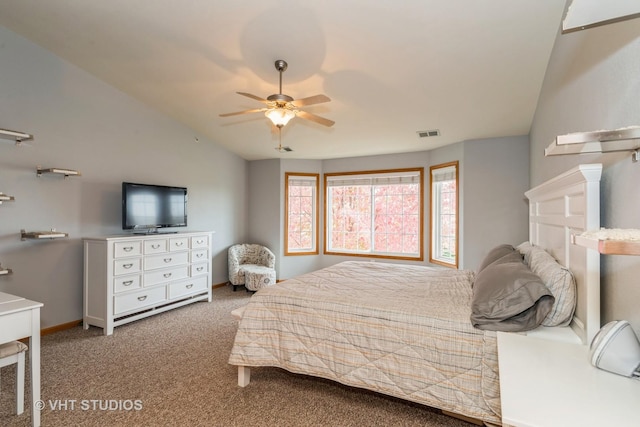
280, 116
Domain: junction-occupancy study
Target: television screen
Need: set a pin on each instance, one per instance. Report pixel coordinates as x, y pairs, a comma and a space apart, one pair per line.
146, 206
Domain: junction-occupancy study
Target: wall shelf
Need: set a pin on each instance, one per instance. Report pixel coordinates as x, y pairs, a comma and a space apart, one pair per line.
15, 136
58, 171
602, 141
6, 198
608, 246
52, 234
5, 271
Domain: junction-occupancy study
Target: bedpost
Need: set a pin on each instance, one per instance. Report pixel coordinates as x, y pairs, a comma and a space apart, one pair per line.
244, 376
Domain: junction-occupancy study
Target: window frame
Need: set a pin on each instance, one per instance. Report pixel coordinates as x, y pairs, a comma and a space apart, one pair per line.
434, 214
327, 223
316, 213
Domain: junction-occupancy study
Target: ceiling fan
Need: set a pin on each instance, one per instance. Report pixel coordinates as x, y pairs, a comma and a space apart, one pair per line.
281, 108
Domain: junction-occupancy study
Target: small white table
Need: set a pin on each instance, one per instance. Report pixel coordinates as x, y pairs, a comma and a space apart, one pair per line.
20, 318
551, 383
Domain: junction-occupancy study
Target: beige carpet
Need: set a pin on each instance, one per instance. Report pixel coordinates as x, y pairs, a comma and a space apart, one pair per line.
172, 370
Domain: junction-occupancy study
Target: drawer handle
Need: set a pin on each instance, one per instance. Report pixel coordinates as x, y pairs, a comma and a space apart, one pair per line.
128, 283
167, 275
199, 255
142, 298
127, 266
167, 260
179, 243
128, 248
155, 246
199, 241
199, 268
190, 285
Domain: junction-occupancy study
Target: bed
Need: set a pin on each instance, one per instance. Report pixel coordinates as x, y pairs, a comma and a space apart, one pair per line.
405, 330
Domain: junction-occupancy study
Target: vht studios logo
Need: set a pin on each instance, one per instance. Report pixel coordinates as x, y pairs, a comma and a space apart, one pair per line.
90, 404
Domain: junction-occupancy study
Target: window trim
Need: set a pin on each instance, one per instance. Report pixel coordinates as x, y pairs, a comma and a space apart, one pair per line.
432, 215
316, 213
419, 257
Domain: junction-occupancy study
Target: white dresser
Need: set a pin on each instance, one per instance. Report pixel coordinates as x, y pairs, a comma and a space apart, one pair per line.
129, 277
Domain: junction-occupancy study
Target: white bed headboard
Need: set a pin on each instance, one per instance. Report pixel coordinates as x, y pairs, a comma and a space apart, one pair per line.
559, 208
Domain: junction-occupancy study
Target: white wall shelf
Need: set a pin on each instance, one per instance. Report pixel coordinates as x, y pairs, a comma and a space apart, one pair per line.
15, 136
52, 234
66, 172
5, 271
6, 198
609, 247
601, 141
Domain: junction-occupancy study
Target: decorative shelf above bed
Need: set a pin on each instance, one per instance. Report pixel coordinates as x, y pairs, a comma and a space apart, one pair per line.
601, 141
611, 242
15, 136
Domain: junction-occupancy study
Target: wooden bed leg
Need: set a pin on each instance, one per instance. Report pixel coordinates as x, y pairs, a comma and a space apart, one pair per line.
244, 376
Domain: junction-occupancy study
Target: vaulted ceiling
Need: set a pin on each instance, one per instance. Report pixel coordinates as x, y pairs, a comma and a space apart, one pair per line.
471, 69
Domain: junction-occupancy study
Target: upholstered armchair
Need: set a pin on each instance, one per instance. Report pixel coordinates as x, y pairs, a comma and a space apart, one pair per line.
251, 265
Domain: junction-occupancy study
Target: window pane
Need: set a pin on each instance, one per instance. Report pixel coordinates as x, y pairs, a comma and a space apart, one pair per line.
301, 213
375, 213
444, 214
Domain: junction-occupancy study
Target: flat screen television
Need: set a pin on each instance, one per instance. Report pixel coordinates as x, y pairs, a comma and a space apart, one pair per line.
147, 207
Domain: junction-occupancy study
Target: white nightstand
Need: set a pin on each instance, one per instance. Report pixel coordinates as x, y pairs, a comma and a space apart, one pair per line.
548, 383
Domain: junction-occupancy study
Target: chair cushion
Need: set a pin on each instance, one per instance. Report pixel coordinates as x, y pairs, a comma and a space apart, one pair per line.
11, 348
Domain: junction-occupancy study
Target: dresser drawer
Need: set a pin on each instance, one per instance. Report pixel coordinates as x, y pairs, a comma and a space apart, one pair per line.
166, 275
156, 246
135, 300
178, 243
126, 283
127, 266
199, 269
187, 287
200, 255
166, 260
124, 249
199, 241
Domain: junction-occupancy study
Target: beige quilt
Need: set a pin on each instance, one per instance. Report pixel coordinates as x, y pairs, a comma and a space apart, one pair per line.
401, 330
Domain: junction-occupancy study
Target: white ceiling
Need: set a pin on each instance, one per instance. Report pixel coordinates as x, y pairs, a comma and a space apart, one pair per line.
470, 68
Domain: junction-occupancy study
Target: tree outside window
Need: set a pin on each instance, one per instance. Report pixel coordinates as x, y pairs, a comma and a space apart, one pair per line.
444, 214
375, 213
301, 213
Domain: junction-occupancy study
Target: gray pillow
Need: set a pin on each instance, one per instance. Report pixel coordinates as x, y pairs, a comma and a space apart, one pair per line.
509, 297
495, 254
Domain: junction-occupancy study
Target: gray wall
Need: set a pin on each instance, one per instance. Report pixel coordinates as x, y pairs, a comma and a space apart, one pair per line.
83, 124
495, 209
592, 83
265, 204
494, 174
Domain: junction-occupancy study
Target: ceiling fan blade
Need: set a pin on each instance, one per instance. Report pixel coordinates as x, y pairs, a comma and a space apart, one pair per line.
237, 113
248, 95
311, 100
314, 118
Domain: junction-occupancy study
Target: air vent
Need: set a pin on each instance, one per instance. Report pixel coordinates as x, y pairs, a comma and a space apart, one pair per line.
283, 149
428, 133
